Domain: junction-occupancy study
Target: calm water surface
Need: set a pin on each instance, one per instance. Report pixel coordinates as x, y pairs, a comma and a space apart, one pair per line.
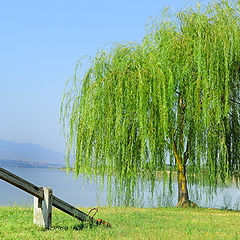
88, 194
63, 185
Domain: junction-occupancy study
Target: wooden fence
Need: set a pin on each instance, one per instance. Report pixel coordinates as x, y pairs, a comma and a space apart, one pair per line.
44, 200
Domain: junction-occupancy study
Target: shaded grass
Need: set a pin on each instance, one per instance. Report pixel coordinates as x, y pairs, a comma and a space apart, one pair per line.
127, 223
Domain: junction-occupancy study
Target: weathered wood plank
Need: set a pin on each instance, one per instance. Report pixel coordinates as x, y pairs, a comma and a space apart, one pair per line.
21, 183
38, 192
69, 209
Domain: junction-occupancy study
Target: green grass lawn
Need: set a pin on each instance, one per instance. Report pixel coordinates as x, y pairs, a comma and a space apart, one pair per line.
127, 223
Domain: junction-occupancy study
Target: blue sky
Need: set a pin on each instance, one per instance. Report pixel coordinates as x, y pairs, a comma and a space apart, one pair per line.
40, 44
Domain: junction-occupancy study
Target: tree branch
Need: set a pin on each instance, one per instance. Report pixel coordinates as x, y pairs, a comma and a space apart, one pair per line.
234, 101
186, 153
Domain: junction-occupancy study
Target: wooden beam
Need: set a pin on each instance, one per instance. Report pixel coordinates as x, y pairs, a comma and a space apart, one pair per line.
21, 183
74, 212
38, 192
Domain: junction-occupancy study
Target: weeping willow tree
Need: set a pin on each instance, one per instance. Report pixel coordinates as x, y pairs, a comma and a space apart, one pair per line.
169, 103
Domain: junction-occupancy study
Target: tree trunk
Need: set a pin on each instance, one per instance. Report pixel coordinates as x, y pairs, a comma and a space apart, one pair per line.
182, 185
181, 159
183, 198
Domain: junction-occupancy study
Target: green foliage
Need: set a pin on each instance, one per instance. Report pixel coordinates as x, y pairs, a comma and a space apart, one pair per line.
123, 115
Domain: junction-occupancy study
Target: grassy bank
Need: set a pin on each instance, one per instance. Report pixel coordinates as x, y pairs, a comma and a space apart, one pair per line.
127, 223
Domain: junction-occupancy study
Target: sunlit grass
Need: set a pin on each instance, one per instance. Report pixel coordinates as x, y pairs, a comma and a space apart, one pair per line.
127, 223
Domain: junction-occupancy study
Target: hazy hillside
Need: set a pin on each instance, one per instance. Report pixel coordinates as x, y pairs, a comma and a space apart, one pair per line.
28, 155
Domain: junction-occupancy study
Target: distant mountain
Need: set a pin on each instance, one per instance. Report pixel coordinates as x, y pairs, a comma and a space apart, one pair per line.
28, 155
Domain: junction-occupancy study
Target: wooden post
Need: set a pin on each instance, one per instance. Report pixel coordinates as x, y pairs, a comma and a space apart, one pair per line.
44, 200
42, 215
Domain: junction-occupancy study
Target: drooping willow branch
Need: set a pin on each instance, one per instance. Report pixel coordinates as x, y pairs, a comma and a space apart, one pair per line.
175, 93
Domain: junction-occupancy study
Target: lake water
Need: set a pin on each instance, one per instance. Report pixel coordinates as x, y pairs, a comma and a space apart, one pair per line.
78, 194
